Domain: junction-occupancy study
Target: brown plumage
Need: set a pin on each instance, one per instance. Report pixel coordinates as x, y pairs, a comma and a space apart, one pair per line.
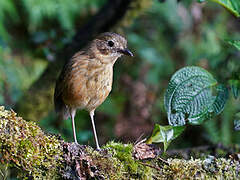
86, 80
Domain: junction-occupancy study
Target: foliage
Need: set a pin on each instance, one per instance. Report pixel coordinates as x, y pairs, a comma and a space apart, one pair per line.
237, 122
235, 43
15, 76
7, 10
40, 11
192, 95
235, 87
165, 134
64, 12
234, 82
232, 5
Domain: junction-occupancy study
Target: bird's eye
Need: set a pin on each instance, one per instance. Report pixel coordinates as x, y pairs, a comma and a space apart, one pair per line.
110, 43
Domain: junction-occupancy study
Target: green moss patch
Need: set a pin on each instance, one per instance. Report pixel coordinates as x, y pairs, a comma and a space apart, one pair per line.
25, 146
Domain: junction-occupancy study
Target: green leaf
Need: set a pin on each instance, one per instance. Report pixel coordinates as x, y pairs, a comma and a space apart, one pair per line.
193, 95
237, 122
165, 134
235, 43
232, 5
7, 12
235, 87
61, 11
221, 99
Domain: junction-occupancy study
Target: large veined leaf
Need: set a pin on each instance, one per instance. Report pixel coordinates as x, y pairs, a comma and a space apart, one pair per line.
232, 5
221, 98
192, 96
165, 134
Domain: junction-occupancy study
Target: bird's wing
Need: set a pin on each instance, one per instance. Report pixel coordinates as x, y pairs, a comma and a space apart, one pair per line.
61, 84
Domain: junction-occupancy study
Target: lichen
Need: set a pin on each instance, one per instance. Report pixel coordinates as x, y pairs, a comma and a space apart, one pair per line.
220, 168
25, 146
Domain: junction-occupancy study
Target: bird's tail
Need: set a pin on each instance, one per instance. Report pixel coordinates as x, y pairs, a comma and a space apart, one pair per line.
60, 107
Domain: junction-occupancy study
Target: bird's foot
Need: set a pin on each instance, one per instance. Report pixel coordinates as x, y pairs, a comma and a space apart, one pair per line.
98, 149
75, 142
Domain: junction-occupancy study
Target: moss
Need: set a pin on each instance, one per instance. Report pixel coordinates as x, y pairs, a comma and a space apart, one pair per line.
25, 146
115, 161
130, 167
197, 169
109, 167
221, 152
39, 156
124, 166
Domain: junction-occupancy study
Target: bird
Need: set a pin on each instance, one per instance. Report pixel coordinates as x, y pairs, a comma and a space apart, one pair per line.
86, 79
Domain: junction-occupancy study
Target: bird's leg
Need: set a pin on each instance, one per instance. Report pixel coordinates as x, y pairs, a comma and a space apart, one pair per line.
94, 129
72, 115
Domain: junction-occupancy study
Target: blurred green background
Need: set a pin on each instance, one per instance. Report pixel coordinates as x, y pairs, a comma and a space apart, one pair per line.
164, 37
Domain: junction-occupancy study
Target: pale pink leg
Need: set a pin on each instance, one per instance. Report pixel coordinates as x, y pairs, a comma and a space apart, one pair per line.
72, 114
94, 129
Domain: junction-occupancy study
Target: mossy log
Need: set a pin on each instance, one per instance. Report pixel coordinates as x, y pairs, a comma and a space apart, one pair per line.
39, 155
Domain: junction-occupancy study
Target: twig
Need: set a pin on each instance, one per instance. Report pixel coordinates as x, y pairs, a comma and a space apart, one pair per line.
139, 141
164, 161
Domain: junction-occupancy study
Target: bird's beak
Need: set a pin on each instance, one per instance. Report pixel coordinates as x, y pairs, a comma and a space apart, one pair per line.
126, 52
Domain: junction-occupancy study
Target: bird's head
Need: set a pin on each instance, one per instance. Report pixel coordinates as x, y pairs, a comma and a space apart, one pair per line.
109, 46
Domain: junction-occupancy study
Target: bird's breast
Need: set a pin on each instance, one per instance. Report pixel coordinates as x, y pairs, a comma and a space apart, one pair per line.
99, 85
100, 79
89, 87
